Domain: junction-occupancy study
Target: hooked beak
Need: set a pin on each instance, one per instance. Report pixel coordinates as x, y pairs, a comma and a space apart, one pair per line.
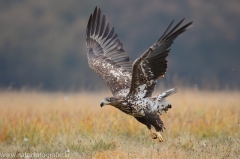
104, 102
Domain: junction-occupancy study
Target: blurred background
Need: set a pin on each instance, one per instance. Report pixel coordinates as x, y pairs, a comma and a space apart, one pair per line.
42, 43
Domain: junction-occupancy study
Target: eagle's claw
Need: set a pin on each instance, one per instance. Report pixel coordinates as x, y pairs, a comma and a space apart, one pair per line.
156, 135
159, 136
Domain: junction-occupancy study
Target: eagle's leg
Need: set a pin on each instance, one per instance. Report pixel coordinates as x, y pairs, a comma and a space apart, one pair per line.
156, 135
153, 134
154, 120
145, 122
159, 136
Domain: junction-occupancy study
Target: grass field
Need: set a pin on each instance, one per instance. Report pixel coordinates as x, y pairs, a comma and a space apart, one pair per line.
201, 124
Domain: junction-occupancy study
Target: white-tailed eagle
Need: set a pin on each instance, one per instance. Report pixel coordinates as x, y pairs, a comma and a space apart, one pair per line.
131, 83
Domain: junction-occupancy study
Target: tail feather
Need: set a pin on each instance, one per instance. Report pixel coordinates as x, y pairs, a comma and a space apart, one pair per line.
169, 92
161, 104
166, 94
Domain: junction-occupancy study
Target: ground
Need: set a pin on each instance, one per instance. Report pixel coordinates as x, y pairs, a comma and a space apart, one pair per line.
201, 124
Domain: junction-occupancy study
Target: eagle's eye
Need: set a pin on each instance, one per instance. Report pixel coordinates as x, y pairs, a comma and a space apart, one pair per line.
110, 99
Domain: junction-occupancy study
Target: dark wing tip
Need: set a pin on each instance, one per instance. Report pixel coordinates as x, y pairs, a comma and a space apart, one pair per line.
169, 26
175, 30
190, 24
157, 59
88, 30
91, 26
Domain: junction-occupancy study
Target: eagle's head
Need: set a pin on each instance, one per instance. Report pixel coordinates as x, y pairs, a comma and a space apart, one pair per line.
109, 101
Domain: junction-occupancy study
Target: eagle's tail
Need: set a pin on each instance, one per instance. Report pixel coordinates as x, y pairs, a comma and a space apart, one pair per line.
169, 92
166, 93
161, 103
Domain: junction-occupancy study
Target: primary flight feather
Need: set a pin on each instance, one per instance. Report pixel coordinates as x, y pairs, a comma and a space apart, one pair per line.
131, 83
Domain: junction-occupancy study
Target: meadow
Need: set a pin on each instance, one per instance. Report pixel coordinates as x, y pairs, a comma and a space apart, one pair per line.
201, 124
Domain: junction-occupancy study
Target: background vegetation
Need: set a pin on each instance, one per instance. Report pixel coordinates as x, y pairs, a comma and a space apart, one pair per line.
42, 43
201, 124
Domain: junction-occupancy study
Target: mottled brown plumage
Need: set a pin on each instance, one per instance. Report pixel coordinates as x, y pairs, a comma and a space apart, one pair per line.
131, 84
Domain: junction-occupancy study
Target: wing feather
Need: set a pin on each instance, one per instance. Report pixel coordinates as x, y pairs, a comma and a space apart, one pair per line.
105, 53
153, 64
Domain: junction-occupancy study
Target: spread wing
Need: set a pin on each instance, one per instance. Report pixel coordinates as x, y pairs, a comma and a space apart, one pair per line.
105, 53
153, 64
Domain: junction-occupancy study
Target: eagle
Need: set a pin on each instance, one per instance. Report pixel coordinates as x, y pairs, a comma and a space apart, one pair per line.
131, 83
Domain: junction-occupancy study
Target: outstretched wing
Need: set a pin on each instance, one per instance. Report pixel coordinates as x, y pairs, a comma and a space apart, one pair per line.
105, 53
153, 64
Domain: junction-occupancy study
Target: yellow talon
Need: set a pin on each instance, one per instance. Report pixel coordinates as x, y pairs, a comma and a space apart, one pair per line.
159, 136
156, 135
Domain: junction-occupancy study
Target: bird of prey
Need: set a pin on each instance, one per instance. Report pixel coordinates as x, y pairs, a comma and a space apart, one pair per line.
131, 83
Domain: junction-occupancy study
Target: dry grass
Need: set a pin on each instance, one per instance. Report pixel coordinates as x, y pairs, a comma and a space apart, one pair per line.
201, 124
